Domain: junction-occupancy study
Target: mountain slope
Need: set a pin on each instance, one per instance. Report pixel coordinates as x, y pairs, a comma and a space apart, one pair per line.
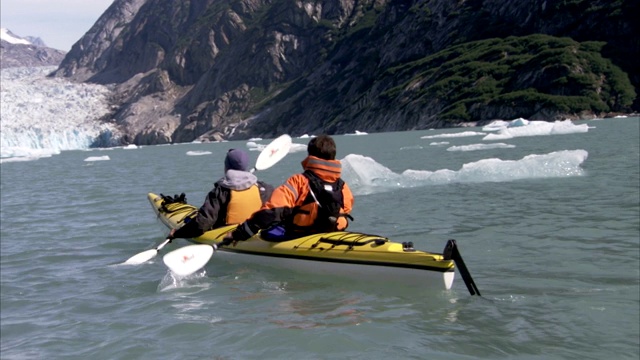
209, 70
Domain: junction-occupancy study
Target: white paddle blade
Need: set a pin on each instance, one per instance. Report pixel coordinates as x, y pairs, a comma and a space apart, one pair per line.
189, 259
273, 152
142, 257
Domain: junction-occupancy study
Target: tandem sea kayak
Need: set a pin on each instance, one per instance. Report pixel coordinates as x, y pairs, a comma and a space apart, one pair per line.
341, 253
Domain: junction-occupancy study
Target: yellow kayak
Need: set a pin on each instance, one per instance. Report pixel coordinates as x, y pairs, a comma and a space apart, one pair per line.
340, 253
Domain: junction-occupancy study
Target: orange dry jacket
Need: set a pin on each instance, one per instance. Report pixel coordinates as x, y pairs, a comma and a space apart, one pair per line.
295, 190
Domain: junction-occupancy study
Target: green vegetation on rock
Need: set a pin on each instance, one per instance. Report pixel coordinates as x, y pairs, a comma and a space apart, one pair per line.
531, 72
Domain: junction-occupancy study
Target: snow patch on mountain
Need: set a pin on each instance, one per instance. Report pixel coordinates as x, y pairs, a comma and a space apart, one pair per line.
9, 37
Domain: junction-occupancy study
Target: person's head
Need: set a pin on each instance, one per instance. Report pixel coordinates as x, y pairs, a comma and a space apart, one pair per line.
322, 146
236, 160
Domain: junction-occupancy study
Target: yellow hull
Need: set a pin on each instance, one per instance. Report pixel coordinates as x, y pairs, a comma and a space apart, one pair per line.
341, 253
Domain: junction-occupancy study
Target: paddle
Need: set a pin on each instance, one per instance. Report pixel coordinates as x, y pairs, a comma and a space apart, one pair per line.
147, 255
189, 259
451, 252
272, 153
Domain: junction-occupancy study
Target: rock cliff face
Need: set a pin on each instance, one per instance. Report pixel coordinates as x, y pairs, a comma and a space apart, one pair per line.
211, 69
91, 55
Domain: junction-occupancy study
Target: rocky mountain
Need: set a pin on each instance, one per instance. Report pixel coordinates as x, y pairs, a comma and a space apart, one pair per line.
231, 69
16, 51
36, 41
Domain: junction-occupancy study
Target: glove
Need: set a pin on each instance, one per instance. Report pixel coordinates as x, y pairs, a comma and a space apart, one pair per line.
227, 240
240, 233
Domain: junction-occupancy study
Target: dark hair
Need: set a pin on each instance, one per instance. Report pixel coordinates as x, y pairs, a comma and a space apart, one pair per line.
322, 146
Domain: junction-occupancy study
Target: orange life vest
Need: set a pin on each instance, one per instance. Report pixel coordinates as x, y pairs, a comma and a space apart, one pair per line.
242, 204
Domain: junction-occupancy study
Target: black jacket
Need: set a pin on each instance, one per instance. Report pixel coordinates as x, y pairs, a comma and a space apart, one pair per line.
213, 212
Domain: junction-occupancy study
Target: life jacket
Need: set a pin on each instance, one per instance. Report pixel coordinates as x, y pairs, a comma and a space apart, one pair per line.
320, 210
242, 204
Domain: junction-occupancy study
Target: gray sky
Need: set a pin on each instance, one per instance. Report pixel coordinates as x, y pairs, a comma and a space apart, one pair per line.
59, 23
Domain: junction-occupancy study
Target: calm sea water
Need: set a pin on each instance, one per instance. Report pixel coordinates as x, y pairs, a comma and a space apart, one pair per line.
555, 253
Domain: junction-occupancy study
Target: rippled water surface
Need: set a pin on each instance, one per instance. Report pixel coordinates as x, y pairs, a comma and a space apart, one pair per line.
557, 257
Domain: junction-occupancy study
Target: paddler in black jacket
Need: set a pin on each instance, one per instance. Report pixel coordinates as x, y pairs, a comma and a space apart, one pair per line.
233, 199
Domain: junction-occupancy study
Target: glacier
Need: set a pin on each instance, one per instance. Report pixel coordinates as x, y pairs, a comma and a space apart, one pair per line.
41, 116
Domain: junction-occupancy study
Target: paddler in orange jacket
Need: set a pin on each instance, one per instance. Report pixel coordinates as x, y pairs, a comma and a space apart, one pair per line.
314, 201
